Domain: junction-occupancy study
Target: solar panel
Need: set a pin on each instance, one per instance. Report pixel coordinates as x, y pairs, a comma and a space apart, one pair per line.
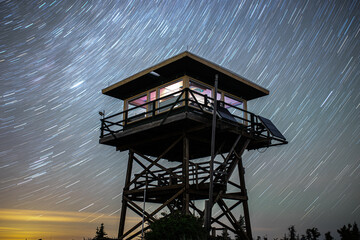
271, 127
224, 113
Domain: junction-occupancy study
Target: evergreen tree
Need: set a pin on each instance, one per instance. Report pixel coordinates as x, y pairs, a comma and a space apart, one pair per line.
225, 235
292, 232
312, 234
176, 226
345, 232
241, 223
100, 233
351, 232
355, 232
328, 236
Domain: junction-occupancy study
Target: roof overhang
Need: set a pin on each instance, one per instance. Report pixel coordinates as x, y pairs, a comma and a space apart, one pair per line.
191, 65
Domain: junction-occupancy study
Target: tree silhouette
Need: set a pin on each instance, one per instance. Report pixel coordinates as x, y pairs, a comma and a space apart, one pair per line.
328, 236
312, 234
100, 233
292, 232
351, 232
241, 223
355, 232
176, 226
225, 235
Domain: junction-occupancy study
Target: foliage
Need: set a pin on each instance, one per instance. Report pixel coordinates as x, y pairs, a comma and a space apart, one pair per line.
351, 232
241, 223
176, 226
292, 232
328, 236
312, 234
100, 233
225, 235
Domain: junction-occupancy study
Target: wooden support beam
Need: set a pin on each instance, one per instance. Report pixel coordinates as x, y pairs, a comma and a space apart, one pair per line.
144, 167
222, 224
231, 208
185, 171
153, 213
234, 196
138, 232
228, 213
234, 184
190, 185
245, 204
138, 210
153, 162
124, 202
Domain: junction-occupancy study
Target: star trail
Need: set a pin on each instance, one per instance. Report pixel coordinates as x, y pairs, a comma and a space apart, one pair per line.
58, 182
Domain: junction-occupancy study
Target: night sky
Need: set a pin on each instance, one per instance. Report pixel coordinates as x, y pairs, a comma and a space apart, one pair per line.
58, 182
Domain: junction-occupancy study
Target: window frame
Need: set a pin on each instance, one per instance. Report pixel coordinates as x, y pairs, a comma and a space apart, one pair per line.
185, 84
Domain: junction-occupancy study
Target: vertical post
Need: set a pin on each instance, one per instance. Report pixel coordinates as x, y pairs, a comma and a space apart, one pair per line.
211, 184
252, 123
102, 128
143, 213
124, 202
185, 166
126, 118
186, 92
153, 108
245, 203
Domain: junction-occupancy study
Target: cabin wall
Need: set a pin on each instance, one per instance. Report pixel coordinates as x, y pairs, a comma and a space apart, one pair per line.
174, 86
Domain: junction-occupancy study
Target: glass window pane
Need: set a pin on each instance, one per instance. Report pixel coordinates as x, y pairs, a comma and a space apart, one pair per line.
218, 96
168, 92
199, 92
231, 103
152, 96
135, 111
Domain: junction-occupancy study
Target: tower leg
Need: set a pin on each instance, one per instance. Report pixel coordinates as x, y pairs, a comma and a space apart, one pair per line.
124, 201
245, 203
185, 166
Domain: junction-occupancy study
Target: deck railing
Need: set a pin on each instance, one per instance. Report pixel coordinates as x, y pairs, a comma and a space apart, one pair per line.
186, 99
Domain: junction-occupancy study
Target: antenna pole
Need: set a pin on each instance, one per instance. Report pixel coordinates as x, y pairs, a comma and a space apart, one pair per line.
211, 185
143, 213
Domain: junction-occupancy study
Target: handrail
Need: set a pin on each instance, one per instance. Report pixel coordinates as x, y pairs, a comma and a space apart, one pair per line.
115, 123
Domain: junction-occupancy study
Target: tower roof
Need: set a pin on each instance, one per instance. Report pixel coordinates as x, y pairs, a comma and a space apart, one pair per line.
191, 65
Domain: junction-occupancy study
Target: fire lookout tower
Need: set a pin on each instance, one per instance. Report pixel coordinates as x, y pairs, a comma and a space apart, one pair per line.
168, 119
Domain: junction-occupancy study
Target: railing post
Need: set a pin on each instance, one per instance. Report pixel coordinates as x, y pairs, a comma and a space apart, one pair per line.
153, 108
186, 98
102, 128
211, 184
252, 122
126, 118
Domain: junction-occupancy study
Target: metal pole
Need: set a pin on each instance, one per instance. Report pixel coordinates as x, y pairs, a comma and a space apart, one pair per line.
211, 185
143, 213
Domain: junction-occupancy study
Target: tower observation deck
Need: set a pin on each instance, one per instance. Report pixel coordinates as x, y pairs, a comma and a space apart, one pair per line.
166, 126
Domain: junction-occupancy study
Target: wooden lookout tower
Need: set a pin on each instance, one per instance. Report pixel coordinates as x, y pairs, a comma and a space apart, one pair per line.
168, 127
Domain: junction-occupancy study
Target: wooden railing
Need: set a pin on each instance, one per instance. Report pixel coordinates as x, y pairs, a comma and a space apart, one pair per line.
186, 99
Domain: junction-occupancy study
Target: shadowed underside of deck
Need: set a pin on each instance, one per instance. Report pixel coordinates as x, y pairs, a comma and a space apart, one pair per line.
153, 137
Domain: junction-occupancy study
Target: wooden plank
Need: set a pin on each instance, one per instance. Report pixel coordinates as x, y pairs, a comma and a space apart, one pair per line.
124, 201
154, 190
245, 204
234, 196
